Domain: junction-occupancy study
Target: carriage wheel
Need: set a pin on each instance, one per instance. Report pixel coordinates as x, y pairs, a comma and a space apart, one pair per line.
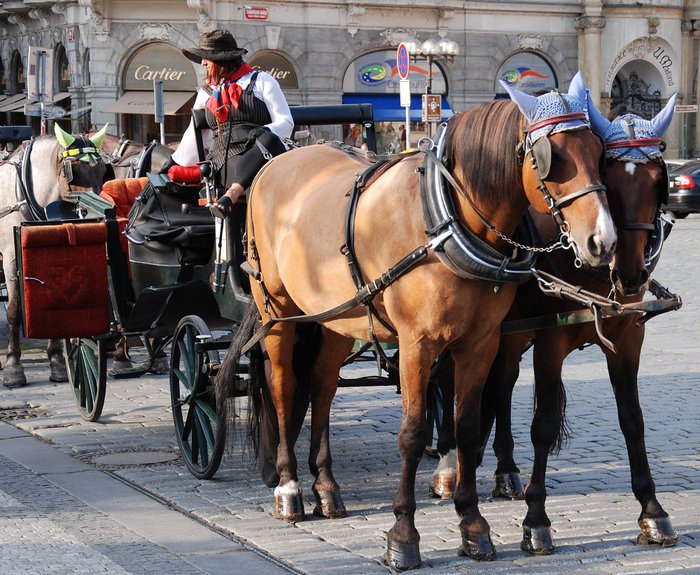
86, 363
200, 437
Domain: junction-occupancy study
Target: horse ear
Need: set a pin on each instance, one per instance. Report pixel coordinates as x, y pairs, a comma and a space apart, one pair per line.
63, 137
526, 103
578, 86
99, 137
662, 120
599, 123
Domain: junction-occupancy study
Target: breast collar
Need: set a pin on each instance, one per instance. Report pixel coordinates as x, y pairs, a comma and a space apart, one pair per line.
462, 252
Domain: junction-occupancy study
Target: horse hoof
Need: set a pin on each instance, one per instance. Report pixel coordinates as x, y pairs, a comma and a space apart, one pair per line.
119, 364
13, 377
329, 504
289, 507
443, 486
657, 531
401, 556
508, 486
537, 541
58, 374
160, 365
477, 546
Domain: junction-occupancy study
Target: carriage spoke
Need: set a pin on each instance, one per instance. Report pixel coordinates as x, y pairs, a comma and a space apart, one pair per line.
204, 420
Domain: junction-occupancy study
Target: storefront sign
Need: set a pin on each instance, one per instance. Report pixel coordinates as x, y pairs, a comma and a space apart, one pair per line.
527, 72
378, 73
277, 66
160, 61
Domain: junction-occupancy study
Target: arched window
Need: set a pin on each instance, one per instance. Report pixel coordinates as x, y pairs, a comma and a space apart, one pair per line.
17, 78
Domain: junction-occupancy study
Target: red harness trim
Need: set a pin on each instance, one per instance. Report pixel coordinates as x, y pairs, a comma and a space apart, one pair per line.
637, 143
557, 120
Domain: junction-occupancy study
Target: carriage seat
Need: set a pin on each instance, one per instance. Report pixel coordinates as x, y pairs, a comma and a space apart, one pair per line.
123, 193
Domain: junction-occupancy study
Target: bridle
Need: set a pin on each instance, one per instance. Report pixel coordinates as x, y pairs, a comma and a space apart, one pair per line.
78, 151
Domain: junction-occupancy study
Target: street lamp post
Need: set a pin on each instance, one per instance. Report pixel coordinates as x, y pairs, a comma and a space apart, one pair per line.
431, 51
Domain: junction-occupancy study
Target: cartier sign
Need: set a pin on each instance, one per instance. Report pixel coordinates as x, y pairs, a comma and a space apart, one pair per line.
160, 61
277, 66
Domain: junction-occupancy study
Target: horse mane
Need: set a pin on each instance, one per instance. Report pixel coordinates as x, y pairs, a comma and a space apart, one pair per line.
483, 136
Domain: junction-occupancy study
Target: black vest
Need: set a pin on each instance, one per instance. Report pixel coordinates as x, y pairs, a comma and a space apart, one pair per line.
230, 138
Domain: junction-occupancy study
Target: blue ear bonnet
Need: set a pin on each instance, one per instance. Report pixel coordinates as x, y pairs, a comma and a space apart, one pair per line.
631, 127
552, 104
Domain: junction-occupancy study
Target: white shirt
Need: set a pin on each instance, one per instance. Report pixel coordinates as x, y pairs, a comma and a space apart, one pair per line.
266, 89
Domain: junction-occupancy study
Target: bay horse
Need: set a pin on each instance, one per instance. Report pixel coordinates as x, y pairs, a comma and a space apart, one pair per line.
637, 182
45, 169
446, 274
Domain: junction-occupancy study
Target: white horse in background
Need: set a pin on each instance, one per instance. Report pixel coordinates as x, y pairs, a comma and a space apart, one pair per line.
43, 170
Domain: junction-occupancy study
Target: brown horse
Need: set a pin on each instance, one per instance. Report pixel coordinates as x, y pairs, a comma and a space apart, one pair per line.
635, 176
442, 284
43, 171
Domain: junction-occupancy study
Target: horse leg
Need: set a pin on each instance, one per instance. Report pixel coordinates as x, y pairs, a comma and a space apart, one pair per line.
445, 475
547, 427
121, 358
623, 368
324, 384
289, 504
402, 545
472, 364
161, 363
13, 372
57, 361
496, 404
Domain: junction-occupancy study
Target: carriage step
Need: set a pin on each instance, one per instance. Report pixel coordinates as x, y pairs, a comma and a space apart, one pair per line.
366, 381
129, 372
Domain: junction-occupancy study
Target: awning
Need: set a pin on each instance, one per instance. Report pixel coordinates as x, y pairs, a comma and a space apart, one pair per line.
14, 102
387, 107
77, 112
61, 96
137, 102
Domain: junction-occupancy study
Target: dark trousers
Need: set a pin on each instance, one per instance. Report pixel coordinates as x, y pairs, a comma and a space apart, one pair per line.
243, 168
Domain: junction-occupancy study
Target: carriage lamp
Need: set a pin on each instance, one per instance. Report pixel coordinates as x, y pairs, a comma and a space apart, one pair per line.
431, 51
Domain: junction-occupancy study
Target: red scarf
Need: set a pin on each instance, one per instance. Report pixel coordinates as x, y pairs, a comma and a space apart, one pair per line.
227, 93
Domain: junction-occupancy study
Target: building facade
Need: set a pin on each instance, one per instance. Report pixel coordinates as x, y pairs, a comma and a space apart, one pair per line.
87, 62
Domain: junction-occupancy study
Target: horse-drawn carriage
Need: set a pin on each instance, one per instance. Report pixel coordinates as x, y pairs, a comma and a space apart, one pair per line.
459, 289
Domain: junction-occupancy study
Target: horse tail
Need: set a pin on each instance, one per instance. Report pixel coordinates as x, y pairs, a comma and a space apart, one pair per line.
564, 433
263, 429
227, 378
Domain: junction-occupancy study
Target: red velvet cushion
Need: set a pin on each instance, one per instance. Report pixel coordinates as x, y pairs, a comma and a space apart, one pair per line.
185, 174
64, 278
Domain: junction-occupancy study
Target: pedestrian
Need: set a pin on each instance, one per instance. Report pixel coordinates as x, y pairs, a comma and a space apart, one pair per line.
247, 114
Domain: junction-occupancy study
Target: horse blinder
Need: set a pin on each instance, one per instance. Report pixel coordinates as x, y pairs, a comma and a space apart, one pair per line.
542, 154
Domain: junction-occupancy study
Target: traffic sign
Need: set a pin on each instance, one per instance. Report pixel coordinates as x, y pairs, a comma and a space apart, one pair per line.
685, 108
402, 61
34, 109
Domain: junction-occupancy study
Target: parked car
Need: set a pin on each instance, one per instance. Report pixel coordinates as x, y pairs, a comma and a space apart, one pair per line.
684, 188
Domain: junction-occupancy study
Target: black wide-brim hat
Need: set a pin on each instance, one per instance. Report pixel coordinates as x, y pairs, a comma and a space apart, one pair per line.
217, 46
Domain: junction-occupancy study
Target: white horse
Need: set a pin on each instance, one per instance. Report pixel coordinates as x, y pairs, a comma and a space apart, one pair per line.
43, 170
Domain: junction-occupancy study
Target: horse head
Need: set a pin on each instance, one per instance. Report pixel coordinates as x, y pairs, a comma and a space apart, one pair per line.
83, 165
561, 159
637, 181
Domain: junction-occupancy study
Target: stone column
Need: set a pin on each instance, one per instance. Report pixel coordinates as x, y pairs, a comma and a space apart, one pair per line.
589, 53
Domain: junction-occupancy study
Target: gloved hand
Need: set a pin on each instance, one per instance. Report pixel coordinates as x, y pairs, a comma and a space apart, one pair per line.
256, 132
222, 207
167, 165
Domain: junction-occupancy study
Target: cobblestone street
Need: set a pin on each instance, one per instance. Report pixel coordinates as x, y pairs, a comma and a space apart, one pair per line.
46, 528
